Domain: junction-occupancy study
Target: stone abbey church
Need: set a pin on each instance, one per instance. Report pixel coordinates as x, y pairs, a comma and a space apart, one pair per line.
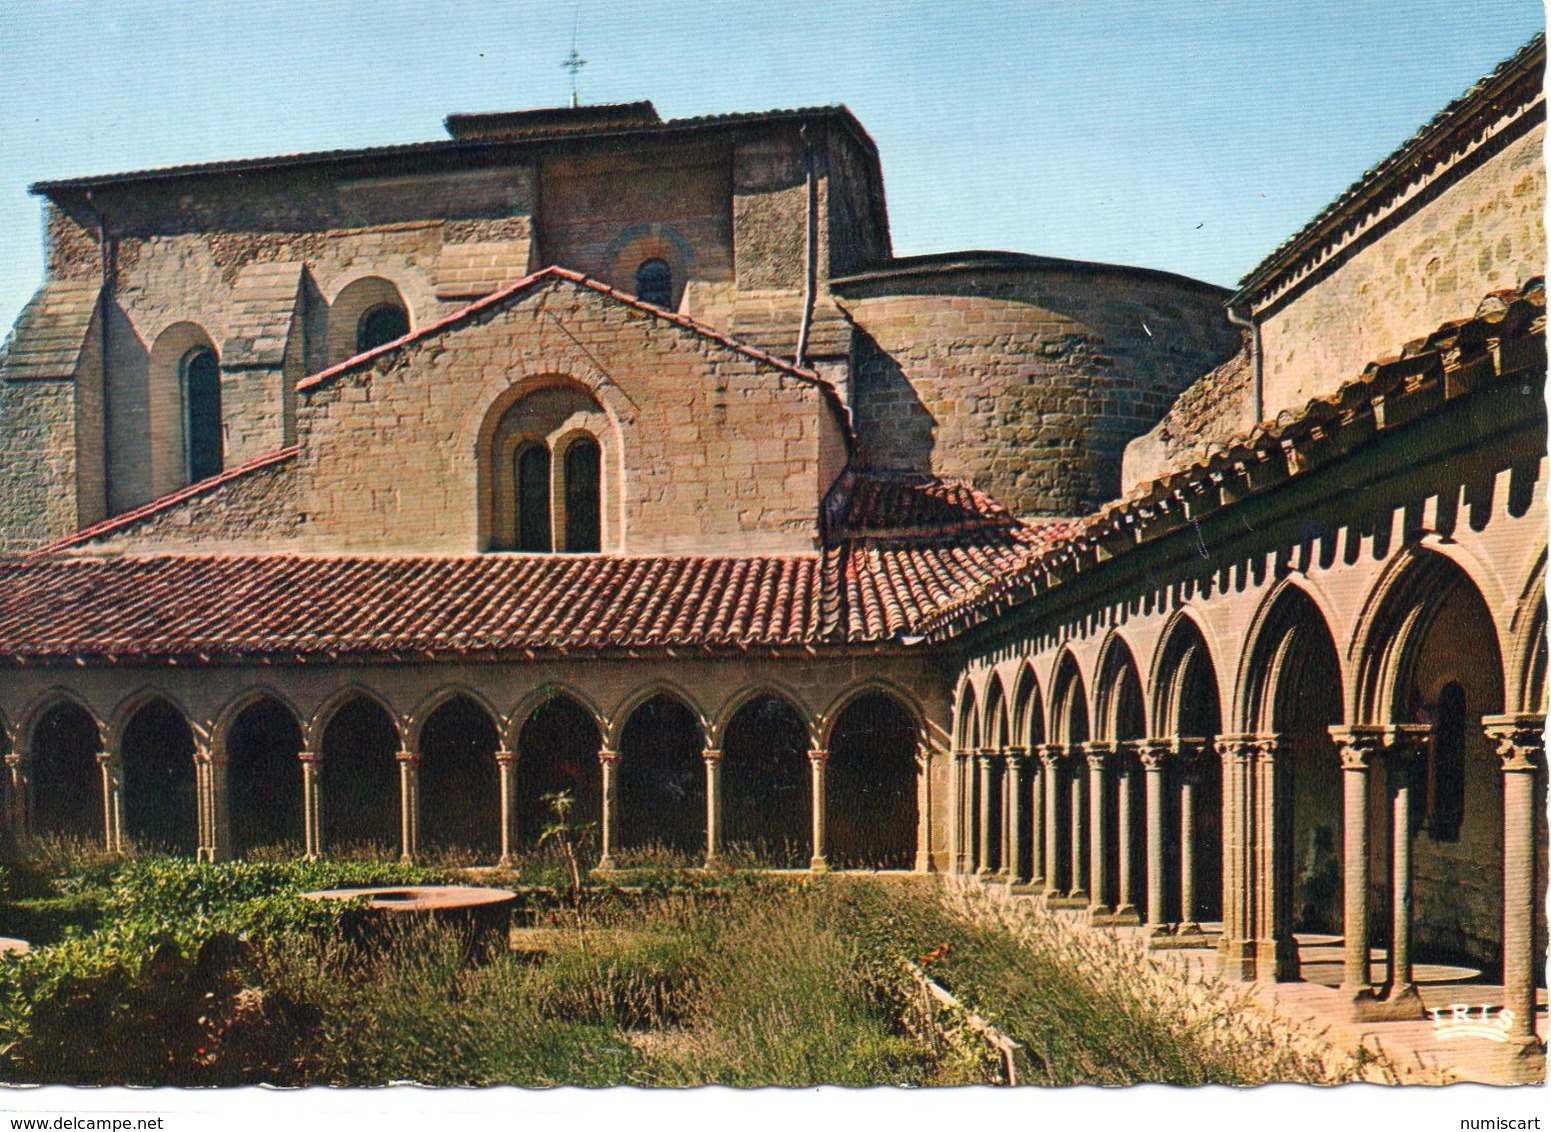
368, 496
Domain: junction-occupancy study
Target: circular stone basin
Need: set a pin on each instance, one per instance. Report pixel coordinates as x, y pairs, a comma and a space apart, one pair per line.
420, 897
9, 946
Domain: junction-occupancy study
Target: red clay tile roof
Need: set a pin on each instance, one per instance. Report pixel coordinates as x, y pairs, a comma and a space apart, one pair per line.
909, 505
64, 609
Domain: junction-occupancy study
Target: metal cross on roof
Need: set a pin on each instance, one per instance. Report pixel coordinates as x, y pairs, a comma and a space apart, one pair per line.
574, 62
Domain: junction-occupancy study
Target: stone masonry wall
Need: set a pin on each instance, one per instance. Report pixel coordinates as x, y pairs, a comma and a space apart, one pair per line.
1026, 382
1484, 233
37, 462
1215, 409
721, 454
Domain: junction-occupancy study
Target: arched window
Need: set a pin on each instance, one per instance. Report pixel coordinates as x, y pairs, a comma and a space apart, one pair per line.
533, 531
654, 283
1444, 790
382, 324
583, 486
202, 409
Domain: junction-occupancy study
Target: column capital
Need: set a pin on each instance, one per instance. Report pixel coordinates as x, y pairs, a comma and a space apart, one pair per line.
712, 754
1153, 752
107, 758
1097, 751
1188, 748
608, 756
1015, 755
818, 755
505, 755
409, 758
309, 756
1405, 742
14, 759
1520, 741
1051, 753
1240, 748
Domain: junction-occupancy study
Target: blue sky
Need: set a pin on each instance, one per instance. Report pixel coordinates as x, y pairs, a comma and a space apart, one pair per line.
1181, 134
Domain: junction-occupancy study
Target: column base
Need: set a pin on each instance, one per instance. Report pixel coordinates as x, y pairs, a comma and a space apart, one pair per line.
1074, 902
1166, 940
1277, 959
1127, 914
983, 871
924, 862
1107, 918
1188, 927
1236, 959
821, 865
1369, 1005
605, 865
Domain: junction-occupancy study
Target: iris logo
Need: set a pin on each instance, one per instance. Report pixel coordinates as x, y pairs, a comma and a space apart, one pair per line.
1458, 1020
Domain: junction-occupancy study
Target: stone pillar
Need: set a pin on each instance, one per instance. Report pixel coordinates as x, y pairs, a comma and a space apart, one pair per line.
204, 805
1012, 816
925, 835
1079, 824
1098, 754
1188, 753
713, 807
312, 805
19, 794
1125, 782
1406, 743
1152, 755
986, 843
112, 768
1037, 779
1520, 743
818, 767
1050, 753
1276, 952
1358, 748
506, 767
409, 806
608, 762
220, 808
956, 831
1236, 950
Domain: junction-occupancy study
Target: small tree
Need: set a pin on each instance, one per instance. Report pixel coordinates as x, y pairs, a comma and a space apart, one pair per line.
568, 835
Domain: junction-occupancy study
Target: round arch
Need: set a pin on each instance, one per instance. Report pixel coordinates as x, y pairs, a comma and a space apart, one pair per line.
155, 744
661, 780
874, 744
767, 796
1276, 618
178, 407
351, 315
557, 744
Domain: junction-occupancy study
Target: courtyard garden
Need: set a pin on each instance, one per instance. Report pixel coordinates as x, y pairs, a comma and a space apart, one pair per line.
156, 970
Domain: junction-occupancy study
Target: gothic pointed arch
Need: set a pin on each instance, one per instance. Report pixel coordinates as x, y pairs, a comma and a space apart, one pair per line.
557, 742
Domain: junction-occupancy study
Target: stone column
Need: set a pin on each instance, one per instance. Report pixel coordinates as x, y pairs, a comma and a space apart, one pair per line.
818, 768
506, 768
1152, 754
204, 805
925, 812
986, 843
409, 806
1276, 952
1050, 754
1036, 819
956, 831
1236, 950
713, 807
220, 808
1012, 816
1125, 781
1098, 754
608, 763
312, 805
1520, 743
1079, 889
1406, 742
1188, 753
19, 794
112, 769
1359, 748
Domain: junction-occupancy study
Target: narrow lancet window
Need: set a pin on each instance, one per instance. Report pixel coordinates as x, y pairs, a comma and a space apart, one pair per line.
202, 402
533, 530
582, 490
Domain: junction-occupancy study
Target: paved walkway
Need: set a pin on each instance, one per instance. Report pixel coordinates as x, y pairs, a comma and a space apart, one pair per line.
1413, 1049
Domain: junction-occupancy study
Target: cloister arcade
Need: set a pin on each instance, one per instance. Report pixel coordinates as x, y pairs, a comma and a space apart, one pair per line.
1347, 746
220, 767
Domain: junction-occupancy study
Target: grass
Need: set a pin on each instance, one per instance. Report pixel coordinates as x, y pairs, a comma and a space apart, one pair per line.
166, 972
